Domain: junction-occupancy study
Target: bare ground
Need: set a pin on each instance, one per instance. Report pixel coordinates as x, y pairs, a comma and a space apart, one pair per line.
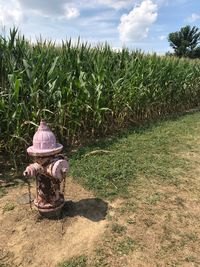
29, 240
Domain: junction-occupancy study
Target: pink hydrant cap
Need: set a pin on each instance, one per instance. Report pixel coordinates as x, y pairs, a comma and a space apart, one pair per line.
44, 142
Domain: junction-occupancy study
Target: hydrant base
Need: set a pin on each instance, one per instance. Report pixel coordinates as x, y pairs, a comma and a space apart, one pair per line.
51, 212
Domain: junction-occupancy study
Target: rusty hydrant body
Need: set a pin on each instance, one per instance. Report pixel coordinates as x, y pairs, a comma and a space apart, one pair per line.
50, 169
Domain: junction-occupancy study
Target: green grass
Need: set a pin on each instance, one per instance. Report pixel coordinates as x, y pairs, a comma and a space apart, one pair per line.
124, 246
80, 261
152, 152
2, 192
190, 259
8, 207
118, 229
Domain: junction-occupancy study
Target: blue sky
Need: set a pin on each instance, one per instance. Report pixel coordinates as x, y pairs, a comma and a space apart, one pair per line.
141, 24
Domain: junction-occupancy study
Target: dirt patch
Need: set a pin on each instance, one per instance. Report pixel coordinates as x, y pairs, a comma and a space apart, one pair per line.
27, 239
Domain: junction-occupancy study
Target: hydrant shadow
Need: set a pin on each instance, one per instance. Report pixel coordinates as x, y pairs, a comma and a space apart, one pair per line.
94, 209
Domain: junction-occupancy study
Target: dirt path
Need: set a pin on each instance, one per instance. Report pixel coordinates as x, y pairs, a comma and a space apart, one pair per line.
28, 240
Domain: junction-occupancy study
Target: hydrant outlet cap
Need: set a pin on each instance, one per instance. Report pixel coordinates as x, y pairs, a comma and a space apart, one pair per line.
44, 142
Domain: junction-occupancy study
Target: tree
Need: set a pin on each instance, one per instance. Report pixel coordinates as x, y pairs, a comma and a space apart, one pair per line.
185, 42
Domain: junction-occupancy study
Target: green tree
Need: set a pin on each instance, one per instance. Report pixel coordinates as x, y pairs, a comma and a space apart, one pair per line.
185, 42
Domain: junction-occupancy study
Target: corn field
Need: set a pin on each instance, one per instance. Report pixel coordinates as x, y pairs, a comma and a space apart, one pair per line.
84, 91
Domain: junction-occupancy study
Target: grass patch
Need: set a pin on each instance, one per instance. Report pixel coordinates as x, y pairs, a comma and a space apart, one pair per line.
124, 246
2, 192
8, 207
190, 259
152, 152
112, 248
118, 229
154, 198
80, 261
188, 237
129, 206
101, 258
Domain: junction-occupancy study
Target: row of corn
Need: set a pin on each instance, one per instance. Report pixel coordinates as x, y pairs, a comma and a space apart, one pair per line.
84, 91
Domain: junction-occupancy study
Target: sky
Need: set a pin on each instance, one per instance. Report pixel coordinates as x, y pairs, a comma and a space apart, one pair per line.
136, 24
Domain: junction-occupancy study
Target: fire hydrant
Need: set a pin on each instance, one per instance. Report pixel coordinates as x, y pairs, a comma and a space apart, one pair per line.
50, 169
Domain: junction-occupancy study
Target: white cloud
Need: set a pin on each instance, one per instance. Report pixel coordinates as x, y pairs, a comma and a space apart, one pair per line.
10, 12
71, 12
135, 25
55, 9
162, 37
120, 4
193, 18
14, 11
117, 4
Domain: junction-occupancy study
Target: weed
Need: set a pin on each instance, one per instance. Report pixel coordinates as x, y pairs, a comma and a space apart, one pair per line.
101, 258
80, 261
190, 259
189, 237
124, 246
129, 206
149, 222
131, 221
180, 201
118, 229
153, 199
2, 192
8, 207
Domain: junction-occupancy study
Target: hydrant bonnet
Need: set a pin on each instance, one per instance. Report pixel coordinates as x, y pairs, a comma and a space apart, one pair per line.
44, 142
